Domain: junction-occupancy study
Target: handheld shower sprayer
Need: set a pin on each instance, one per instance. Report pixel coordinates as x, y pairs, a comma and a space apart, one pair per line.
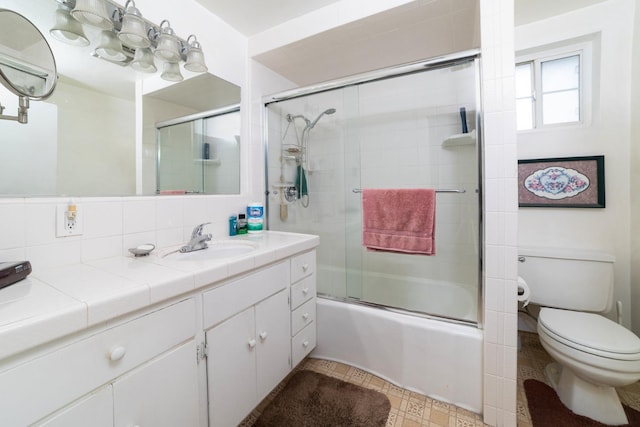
328, 111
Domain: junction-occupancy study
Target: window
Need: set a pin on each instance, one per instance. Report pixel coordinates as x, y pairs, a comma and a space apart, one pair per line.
550, 88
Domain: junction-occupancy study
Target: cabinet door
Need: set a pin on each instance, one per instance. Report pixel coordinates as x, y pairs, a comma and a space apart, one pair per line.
231, 369
97, 407
274, 342
161, 393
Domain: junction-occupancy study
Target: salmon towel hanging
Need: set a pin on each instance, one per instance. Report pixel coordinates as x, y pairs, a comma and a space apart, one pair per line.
399, 220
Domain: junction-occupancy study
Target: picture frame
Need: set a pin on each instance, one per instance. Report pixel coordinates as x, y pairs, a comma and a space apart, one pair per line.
562, 182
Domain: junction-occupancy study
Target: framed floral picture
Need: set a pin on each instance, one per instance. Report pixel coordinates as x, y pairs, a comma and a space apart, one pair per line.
564, 182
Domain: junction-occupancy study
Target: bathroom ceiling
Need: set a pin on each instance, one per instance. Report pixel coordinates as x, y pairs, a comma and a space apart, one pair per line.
254, 16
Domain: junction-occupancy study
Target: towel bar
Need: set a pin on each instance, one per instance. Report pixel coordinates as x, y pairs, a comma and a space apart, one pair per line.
461, 190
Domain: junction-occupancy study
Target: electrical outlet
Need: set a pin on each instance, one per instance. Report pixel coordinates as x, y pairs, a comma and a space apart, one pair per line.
68, 220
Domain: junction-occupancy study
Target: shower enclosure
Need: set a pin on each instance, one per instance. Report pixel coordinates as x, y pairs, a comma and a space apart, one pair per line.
410, 127
199, 153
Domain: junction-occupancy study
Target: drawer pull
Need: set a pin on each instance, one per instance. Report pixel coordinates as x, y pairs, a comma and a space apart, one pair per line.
305, 344
263, 335
252, 343
117, 353
305, 291
305, 267
305, 316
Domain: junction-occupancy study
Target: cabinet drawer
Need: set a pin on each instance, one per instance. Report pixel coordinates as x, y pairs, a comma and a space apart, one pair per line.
303, 291
39, 387
233, 297
303, 316
303, 265
303, 343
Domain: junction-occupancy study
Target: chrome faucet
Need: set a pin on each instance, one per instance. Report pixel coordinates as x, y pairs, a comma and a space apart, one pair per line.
198, 240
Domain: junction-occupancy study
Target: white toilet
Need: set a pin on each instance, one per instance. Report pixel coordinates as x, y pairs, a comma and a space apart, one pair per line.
593, 353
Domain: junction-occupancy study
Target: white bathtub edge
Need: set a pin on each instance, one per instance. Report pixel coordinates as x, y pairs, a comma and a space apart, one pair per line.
439, 359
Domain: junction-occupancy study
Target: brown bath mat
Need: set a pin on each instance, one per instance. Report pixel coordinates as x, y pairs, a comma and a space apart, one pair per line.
311, 399
546, 409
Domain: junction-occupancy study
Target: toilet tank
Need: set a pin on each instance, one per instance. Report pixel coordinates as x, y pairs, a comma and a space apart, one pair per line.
572, 279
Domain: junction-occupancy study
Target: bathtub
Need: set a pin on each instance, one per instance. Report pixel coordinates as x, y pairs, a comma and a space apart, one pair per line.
437, 298
439, 359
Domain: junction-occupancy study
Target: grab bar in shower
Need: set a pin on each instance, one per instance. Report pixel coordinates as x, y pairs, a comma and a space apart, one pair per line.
461, 190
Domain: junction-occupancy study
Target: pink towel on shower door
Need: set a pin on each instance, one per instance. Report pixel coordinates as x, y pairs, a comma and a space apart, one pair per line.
399, 220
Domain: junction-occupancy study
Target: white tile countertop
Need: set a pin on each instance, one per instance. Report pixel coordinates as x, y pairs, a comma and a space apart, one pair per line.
55, 302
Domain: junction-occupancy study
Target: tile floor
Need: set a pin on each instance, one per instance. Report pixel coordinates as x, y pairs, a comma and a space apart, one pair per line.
532, 359
409, 409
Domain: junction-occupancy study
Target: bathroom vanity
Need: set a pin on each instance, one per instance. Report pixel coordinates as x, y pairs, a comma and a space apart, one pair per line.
157, 341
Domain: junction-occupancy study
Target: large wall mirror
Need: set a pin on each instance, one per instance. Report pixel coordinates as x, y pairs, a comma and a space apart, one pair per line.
81, 141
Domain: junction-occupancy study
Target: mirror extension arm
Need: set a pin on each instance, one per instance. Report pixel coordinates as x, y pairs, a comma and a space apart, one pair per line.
23, 109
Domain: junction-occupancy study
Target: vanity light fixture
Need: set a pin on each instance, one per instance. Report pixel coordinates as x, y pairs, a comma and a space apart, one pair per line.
195, 57
171, 72
128, 38
68, 29
110, 47
134, 30
143, 61
92, 12
168, 45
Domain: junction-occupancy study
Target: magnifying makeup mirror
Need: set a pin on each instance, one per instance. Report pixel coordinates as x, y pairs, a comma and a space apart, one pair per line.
27, 65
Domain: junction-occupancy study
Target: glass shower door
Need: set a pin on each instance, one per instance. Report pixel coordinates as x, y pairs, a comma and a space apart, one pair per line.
400, 132
180, 158
200, 155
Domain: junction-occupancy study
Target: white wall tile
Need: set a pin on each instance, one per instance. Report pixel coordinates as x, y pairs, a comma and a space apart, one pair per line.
101, 218
66, 252
169, 212
139, 216
494, 294
101, 247
41, 223
13, 227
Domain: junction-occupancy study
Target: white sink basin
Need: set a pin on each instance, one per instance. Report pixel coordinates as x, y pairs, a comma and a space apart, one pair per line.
217, 250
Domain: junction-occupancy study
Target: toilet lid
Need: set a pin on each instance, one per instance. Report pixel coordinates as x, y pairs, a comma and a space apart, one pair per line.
590, 331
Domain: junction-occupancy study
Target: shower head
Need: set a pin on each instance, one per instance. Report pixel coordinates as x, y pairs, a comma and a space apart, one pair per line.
328, 111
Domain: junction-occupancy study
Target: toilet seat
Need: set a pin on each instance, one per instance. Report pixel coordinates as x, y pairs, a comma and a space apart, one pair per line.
590, 333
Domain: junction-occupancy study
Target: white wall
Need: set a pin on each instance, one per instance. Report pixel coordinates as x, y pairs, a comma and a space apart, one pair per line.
501, 215
608, 133
635, 174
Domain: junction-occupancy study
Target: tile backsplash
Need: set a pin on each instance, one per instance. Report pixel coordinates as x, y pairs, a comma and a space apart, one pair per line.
111, 225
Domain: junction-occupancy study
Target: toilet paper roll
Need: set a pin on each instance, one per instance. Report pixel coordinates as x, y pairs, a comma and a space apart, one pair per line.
523, 292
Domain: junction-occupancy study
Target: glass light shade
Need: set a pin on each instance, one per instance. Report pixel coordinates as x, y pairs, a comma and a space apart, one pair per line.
167, 49
67, 29
134, 29
195, 59
143, 61
110, 47
171, 72
92, 12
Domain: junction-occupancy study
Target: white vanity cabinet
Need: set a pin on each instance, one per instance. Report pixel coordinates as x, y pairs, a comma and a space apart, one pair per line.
142, 363
248, 341
97, 407
303, 306
163, 393
147, 368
